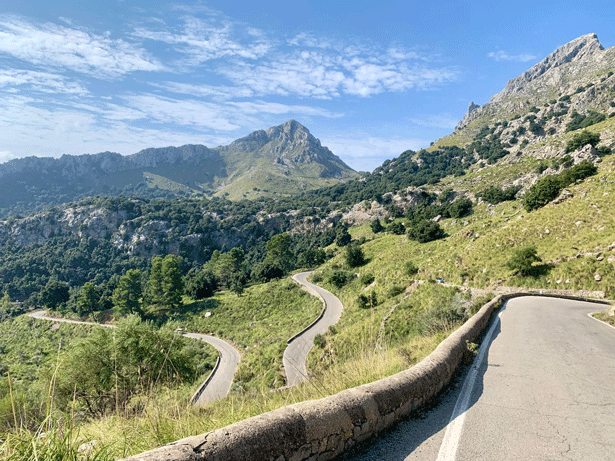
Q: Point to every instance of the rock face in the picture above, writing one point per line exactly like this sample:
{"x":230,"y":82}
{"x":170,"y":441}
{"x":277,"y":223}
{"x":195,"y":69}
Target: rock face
{"x":287,"y":153}
{"x":574,"y":64}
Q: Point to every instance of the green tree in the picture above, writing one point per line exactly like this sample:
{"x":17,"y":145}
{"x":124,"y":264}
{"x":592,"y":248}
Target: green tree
{"x":200,"y":283}
{"x":523,"y":259}
{"x":342,"y":236}
{"x":55,"y":294}
{"x":354,"y":255}
{"x":397,"y":228}
{"x":279,"y":252}
{"x":425,"y":231}
{"x":88,"y":300}
{"x":154,"y":286}
{"x":127,"y":295}
{"x":376,"y":226}
{"x":172,"y":282}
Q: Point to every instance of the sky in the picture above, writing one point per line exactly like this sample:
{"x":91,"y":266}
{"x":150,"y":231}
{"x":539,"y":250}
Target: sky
{"x":369,"y":79}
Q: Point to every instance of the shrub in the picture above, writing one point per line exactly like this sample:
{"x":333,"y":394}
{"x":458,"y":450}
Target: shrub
{"x":320,"y":341}
{"x":367,"y":301}
{"x":541,"y":193}
{"x":376,"y":226}
{"x":523,"y":260}
{"x":460,"y":208}
{"x":426,"y":231}
{"x":354,"y":255}
{"x":495,"y":194}
{"x":340,"y":278}
{"x":411,"y":268}
{"x":367,"y":279}
{"x":582,"y":139}
{"x":548,"y":188}
{"x":397,"y":228}
{"x":396,"y":290}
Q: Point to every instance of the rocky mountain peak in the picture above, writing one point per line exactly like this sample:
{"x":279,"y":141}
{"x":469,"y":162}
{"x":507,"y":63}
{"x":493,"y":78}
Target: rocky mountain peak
{"x":562,"y":72}
{"x":582,"y":49}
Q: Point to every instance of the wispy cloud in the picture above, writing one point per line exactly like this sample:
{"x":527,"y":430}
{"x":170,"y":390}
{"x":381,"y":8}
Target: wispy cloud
{"x":55,"y":46}
{"x":40,"y":81}
{"x":502,"y":55}
{"x":329,"y":74}
{"x":201,"y":40}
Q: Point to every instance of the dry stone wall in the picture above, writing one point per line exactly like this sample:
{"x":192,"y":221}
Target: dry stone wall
{"x":322,"y":429}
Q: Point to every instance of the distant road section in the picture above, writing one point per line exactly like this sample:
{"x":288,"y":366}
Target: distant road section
{"x":219,"y":382}
{"x":295,"y":354}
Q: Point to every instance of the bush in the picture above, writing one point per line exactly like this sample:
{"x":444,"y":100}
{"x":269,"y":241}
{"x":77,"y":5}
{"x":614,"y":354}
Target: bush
{"x":367,"y":279}
{"x":376,"y":226}
{"x":426,"y":231}
{"x":396,"y":290}
{"x":460,"y":208}
{"x":342,"y":236}
{"x":541,"y":193}
{"x":582,"y":139}
{"x":495,"y":194}
{"x":397,"y":228}
{"x":340,"y":278}
{"x":411,"y":268}
{"x":320,"y":341}
{"x":367,"y":301}
{"x":549,"y":187}
{"x":354,"y":256}
{"x":523,"y":259}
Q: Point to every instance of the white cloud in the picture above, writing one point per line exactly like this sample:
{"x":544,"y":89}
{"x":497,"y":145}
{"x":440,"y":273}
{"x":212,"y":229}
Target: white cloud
{"x":40,"y":81}
{"x":186,"y":112}
{"x":203,"y":40}
{"x":218,"y":92}
{"x":502,"y":55}
{"x":70,"y":48}
{"x":328,"y":74}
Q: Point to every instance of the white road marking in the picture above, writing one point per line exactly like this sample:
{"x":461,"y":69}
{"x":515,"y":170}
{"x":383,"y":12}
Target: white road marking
{"x":450,"y":443}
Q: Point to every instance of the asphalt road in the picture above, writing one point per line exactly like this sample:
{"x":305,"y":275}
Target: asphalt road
{"x":218,"y":385}
{"x":543,"y":388}
{"x":295,"y":354}
{"x":215,"y":387}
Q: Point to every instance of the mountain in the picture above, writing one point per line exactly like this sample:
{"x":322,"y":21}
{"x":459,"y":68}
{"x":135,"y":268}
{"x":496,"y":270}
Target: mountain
{"x":279,"y":161}
{"x":527,"y":133}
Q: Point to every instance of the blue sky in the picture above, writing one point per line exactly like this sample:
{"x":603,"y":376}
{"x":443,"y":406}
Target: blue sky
{"x":370,"y":79}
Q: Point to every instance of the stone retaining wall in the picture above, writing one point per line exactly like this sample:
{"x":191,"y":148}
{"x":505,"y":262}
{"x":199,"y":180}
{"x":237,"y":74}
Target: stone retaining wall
{"x":322,"y":429}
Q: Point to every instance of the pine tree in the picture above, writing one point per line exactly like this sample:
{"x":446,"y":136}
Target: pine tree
{"x":127,"y":295}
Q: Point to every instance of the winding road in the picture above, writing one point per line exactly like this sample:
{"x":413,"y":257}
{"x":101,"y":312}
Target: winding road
{"x":299,"y":346}
{"x":218,"y":383}
{"x":541,"y":387}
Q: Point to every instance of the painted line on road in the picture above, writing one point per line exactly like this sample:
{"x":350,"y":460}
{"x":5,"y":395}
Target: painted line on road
{"x":452,"y":436}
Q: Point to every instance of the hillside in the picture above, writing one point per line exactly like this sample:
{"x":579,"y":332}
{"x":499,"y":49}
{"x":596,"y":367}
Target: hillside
{"x":456,"y":213}
{"x":277,"y":162}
